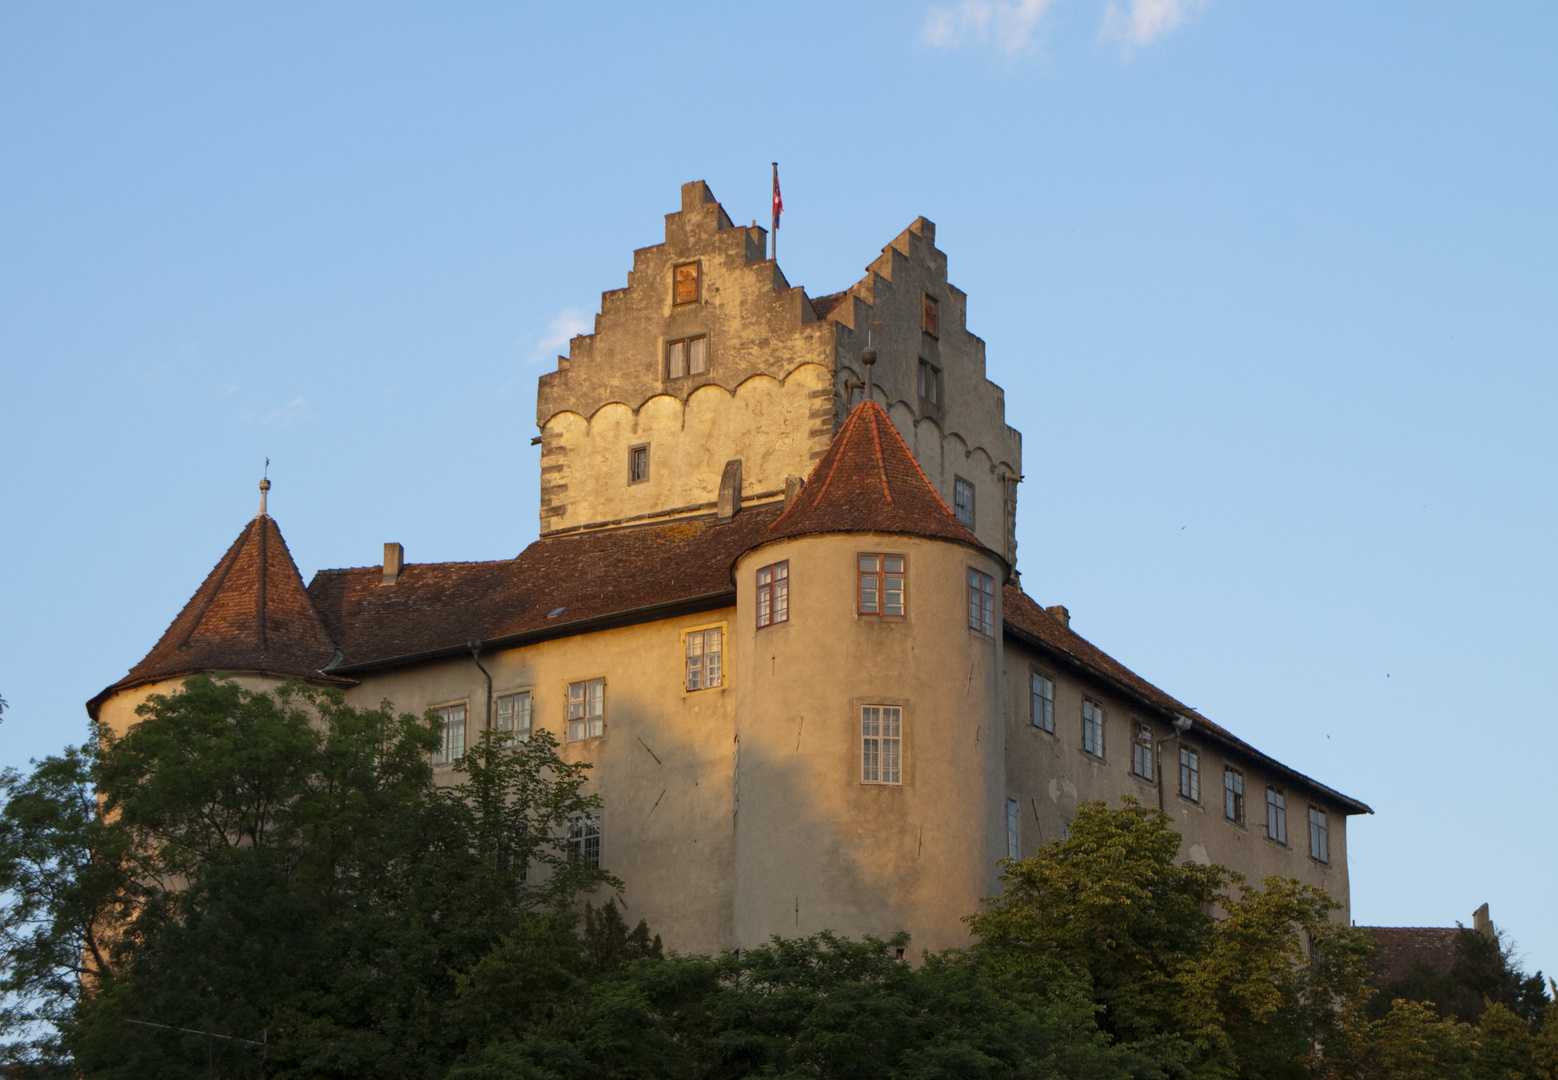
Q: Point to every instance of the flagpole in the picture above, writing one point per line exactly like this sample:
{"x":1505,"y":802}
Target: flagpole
{"x":774,"y":216}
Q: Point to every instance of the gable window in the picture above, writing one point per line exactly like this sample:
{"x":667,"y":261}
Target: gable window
{"x":452,"y":748}
{"x":1092,"y":728}
{"x":1012,"y":819}
{"x":1141,"y":752}
{"x":963,"y":501}
{"x":1319,"y":837}
{"x":930,"y":383}
{"x":981,"y":602}
{"x":931,"y":318}
{"x":1233,"y":795}
{"x":586,"y":709}
{"x":1276,"y":816}
{"x":690,"y":356}
{"x":705,"y":656}
{"x":881,"y":744}
{"x":773,"y":594}
{"x":513,"y":716}
{"x":686,"y":277}
{"x":584,"y":837}
{"x":638,"y":464}
{"x":881,"y":589}
{"x":1190,"y":773}
{"x":1042,"y":691}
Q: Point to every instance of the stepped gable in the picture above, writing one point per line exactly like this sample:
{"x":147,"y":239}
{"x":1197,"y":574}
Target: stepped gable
{"x":559,"y":586}
{"x":868,"y":481}
{"x":1031,"y":624}
{"x":252,"y":613}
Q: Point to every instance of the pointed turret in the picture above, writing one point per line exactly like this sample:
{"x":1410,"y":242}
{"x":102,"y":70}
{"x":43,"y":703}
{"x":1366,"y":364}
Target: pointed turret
{"x":252,"y":614}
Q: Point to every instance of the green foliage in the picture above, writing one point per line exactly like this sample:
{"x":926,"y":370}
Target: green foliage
{"x":1483,"y":971}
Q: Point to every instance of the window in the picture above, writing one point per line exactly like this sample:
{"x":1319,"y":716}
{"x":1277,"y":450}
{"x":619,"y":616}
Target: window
{"x":1011,"y":828}
{"x":586,"y":709}
{"x":453,"y":747}
{"x":1276,"y":816}
{"x":881,"y":584}
{"x":1233,"y":795}
{"x":930,"y":383}
{"x":881,"y":744}
{"x":513,"y":716}
{"x":1092,"y":728}
{"x":1141,"y":752}
{"x":1042,"y":688}
{"x":689,"y":356}
{"x":638,"y":464}
{"x":584,"y":837}
{"x":1319,"y":838}
{"x":704,"y":659}
{"x":686,"y":276}
{"x":981,"y":602}
{"x":1190,"y":774}
{"x":773,"y":594}
{"x":963,"y":501}
{"x":932,"y":316}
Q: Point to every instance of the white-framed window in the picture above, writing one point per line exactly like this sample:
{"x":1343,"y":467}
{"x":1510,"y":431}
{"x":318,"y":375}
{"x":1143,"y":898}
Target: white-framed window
{"x":881,"y":744}
{"x":690,"y":356}
{"x":963,"y":500}
{"x":1141,"y":752}
{"x":638,"y":464}
{"x":1012,"y":819}
{"x":584,"y":837}
{"x":1276,"y":816}
{"x":586,"y":709}
{"x":881,"y":584}
{"x":452,"y":748}
{"x":981,"y":601}
{"x":773,"y":594}
{"x":1319,"y":836}
{"x":1233,"y":795}
{"x":512,"y":716}
{"x":1190,"y":773}
{"x":705,"y":654}
{"x":1092,"y":727}
{"x":1042,"y":691}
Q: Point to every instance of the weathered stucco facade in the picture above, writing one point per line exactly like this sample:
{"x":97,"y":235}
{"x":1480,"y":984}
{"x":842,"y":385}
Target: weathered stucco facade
{"x":672,"y":497}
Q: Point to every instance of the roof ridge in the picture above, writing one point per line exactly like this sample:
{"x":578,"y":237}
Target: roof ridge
{"x":228,"y":562}
{"x":881,"y":464}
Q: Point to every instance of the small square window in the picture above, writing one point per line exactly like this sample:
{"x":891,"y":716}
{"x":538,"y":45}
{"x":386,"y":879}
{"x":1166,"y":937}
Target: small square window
{"x":1319,"y":837}
{"x":452,"y":748}
{"x":1233,"y":795}
{"x":1141,"y":752}
{"x":773,"y":594}
{"x":689,"y":356}
{"x":705,"y":659}
{"x":981,"y":602}
{"x":930,"y":383}
{"x":1043,"y":698}
{"x":931,"y":322}
{"x":687,"y":290}
{"x":1190,"y":774}
{"x":638,"y":464}
{"x":1093,"y":728}
{"x":963,"y":501}
{"x":882,"y":580}
{"x":512,"y":716}
{"x":586,"y":709}
{"x":584,"y":837}
{"x":1276,"y":816}
{"x":881,"y":744}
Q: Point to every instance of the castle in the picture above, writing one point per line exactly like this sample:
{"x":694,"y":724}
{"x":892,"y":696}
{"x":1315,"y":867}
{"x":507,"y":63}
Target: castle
{"x":774,"y":603}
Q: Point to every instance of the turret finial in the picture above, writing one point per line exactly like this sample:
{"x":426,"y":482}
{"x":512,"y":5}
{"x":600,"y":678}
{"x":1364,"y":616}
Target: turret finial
{"x":264,"y":487}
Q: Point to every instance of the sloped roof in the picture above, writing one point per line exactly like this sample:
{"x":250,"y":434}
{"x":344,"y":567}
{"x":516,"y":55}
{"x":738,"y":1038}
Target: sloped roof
{"x":868,"y":481}
{"x":1404,"y":947}
{"x":252,"y":613}
{"x":1033,"y":625}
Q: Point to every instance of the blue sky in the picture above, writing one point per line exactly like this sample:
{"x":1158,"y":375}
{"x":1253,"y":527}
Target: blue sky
{"x":1272,"y":288}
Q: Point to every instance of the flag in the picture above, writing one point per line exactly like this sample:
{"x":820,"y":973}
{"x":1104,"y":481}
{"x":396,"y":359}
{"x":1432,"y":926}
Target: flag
{"x":778,"y":199}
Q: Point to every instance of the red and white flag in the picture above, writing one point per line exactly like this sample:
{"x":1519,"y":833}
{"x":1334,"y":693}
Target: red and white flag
{"x":778,"y":199}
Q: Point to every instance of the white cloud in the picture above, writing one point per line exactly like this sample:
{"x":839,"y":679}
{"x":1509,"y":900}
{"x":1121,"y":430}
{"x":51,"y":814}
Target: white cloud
{"x":564,"y":327}
{"x":1146,"y":21}
{"x":1010,"y":26}
{"x":285,"y":415}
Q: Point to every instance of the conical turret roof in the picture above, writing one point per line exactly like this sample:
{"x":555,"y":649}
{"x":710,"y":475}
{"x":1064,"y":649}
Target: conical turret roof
{"x":868,"y":481}
{"x":252,"y":613}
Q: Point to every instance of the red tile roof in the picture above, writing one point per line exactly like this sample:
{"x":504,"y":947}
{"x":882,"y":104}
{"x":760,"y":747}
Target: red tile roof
{"x":1404,"y":947}
{"x":252,"y":613}
{"x":868,"y":481}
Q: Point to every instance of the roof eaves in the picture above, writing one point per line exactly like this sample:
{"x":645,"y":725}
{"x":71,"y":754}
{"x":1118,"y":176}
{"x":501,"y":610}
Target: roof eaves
{"x":95,"y":703}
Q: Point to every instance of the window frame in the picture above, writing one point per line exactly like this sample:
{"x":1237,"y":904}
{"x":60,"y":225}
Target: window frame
{"x":633,"y":452}
{"x":882,"y":573}
{"x":1141,"y":751}
{"x":929,"y":377}
{"x":877,"y":763}
{"x":1013,"y":828}
{"x":981,"y":602}
{"x":1322,"y":828}
{"x":1276,"y":811}
{"x":687,"y":341}
{"x":1190,"y":773}
{"x":697,"y":283}
{"x":959,"y":486}
{"x":1049,"y":711}
{"x":584,"y":717}
{"x":1093,"y":725}
{"x":583,"y":827}
{"x":703,"y":631}
{"x":930,"y":315}
{"x":1235,"y":806}
{"x":514,"y":733}
{"x":776,"y":591}
{"x":443,"y":757}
